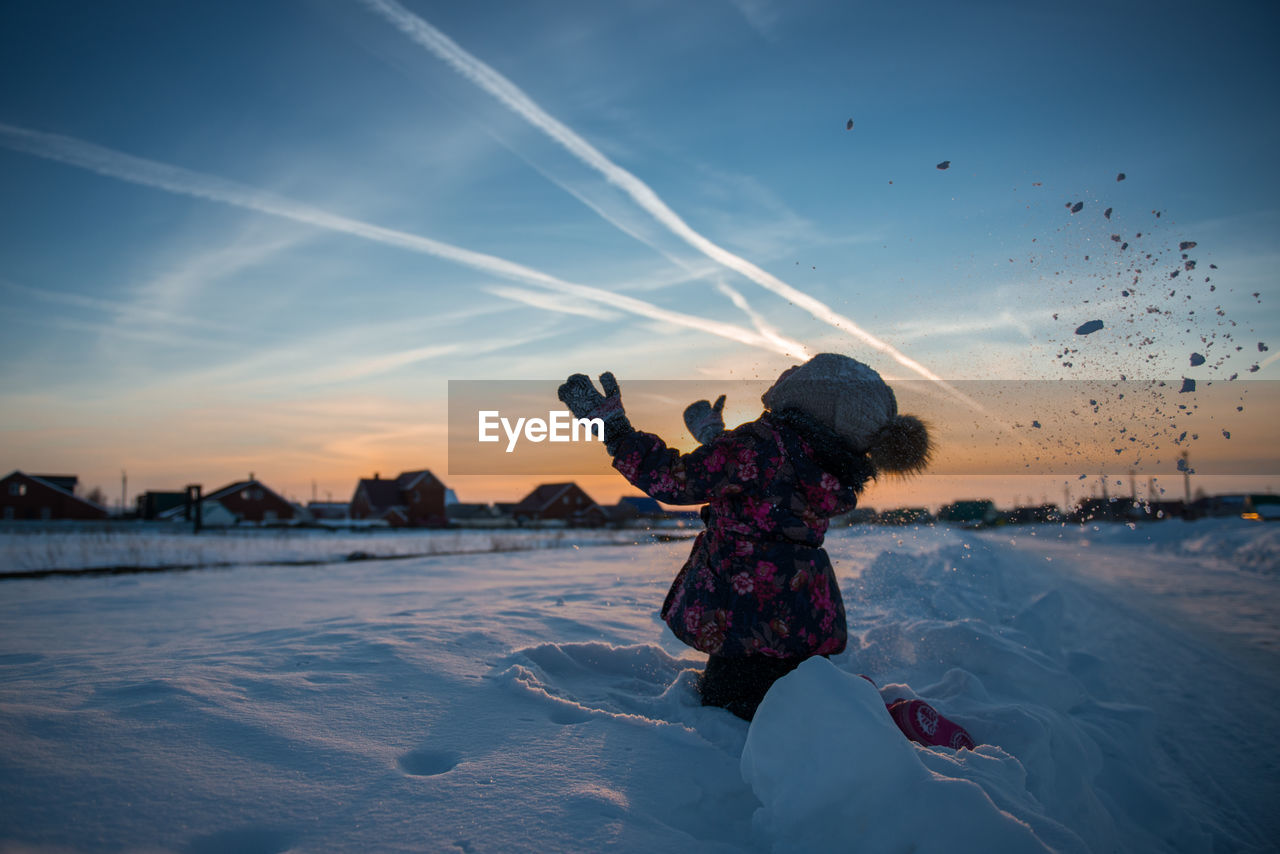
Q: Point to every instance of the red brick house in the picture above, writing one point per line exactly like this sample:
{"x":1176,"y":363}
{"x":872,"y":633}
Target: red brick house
{"x":36,"y":497}
{"x":250,"y":501}
{"x":559,"y":502}
{"x":245,"y":501}
{"x":414,"y":499}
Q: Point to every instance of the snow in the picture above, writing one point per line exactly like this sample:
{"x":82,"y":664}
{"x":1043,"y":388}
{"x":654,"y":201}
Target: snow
{"x":823,"y":734}
{"x":61,"y":547}
{"x":1122,"y":681}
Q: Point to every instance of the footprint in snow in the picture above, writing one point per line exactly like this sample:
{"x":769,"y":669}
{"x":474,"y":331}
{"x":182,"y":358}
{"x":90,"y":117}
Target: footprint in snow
{"x":428,"y":763}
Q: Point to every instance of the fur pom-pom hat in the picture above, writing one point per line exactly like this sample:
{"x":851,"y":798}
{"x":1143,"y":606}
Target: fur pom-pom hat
{"x":850,"y":399}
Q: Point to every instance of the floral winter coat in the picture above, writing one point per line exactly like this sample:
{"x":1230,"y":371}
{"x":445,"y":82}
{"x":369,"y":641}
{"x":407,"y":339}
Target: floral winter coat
{"x":758,"y":581}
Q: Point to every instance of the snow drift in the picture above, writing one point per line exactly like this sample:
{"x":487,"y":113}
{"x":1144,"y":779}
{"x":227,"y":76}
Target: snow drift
{"x":1115,"y":677}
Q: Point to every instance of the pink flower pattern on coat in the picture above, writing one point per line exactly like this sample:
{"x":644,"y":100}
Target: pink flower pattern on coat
{"x":758,"y":581}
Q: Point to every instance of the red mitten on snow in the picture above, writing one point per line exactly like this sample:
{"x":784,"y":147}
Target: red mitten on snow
{"x":921,"y":723}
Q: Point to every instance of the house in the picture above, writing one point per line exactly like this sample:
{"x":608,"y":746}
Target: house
{"x":1031,"y":514}
{"x":477,"y":516}
{"x":559,"y":503}
{"x":856,"y":516}
{"x":414,"y":499}
{"x":1235,"y":504}
{"x":972,"y":513}
{"x":152,"y":503}
{"x":1262,"y":508}
{"x":243,"y":501}
{"x":251,"y":501}
{"x":328,"y":511}
{"x":45,"y":497}
{"x":905,"y":516}
{"x":1158,"y":510}
{"x":1101,"y":510}
{"x":635,"y":510}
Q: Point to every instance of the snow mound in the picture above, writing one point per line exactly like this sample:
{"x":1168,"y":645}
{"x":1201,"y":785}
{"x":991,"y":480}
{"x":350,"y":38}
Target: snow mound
{"x":828,"y":764}
{"x":1252,"y":546}
{"x":639,"y":684}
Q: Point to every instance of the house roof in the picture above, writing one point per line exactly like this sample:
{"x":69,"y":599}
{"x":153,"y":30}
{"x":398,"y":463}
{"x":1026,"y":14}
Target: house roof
{"x":381,"y":494}
{"x":642,"y":504}
{"x":232,"y":488}
{"x":226,"y":490}
{"x":542,"y":497}
{"x":411,"y":479}
{"x":64,"y":484}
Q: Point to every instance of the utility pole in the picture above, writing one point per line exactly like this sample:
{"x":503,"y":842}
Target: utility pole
{"x":124,"y":490}
{"x":194,"y":508}
{"x":1186,"y":477}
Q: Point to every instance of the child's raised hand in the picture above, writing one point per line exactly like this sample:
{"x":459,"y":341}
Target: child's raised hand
{"x":704,"y":420}
{"x":580,"y":395}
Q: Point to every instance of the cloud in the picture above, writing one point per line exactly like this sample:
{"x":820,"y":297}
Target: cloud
{"x":488,"y":79}
{"x":963,"y":327}
{"x":115,"y":164}
{"x":757,"y":320}
{"x":131,"y":313}
{"x":761,"y":15}
{"x":390,"y":361}
{"x":550,"y":302}
{"x":188,"y":275}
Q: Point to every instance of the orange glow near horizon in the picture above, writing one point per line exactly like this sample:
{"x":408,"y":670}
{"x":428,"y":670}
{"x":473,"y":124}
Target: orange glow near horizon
{"x":313,"y":449}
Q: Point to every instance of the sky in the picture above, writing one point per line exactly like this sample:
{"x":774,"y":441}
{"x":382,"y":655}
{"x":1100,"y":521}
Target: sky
{"x":241,"y":237}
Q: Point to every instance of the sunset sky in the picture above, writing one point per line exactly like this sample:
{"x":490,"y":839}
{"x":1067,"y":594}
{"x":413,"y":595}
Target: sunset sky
{"x":262,"y":237}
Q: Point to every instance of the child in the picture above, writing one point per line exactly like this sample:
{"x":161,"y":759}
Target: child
{"x":758,"y":593}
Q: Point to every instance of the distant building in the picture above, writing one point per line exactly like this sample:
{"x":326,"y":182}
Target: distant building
{"x":477,"y":516}
{"x":635,"y":510}
{"x":971,"y":513}
{"x":414,"y":499}
{"x":1101,"y":510}
{"x":856,"y":516}
{"x":1159,"y":510}
{"x":1221,"y":505}
{"x":905,"y":516}
{"x":1037,"y":513}
{"x":242,"y":501}
{"x":1262,"y":508}
{"x":153,"y":503}
{"x":328,"y":511}
{"x":251,"y":501}
{"x":36,"y":497}
{"x":562,"y":503}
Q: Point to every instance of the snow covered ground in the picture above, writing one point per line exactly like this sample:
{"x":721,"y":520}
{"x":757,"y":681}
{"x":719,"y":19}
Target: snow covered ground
{"x":67,"y":547}
{"x":1123,"y":682}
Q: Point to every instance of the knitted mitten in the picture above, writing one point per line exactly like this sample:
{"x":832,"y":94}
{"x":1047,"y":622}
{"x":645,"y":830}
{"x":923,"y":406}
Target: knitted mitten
{"x":704,"y":420}
{"x":584,"y":401}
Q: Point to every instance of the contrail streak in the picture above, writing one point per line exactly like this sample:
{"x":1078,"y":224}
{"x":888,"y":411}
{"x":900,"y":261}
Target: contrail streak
{"x":762,"y":326}
{"x":508,"y":93}
{"x":174,"y":179}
